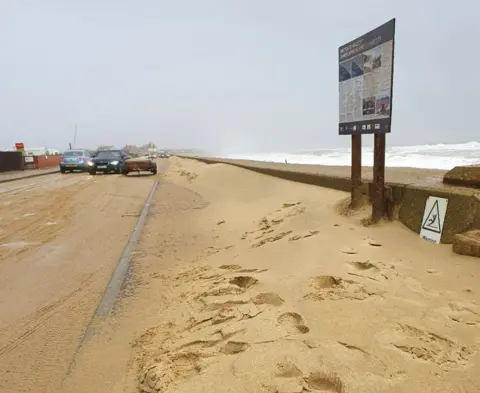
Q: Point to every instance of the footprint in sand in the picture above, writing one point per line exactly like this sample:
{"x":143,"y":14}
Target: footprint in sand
{"x":270,"y":298}
{"x":348,"y":251}
{"x":287,"y":205}
{"x":431,"y":347}
{"x":252,"y":271}
{"x":288,"y":369}
{"x":290,"y":379}
{"x":372,"y":242}
{"x":234,"y":347}
{"x":308,"y":234}
{"x":244,"y":282}
{"x":219,"y":305}
{"x":241,"y":269}
{"x":158,"y":377}
{"x":230,"y":267}
{"x":364,"y":266}
{"x":467,"y":313}
{"x":336,"y":288}
{"x":325,"y":382}
{"x":293,"y":323}
{"x":235,"y":286}
{"x":271,"y":239}
{"x":323,"y":282}
{"x":223,"y":290}
{"x":264,"y":224}
{"x":295,"y":238}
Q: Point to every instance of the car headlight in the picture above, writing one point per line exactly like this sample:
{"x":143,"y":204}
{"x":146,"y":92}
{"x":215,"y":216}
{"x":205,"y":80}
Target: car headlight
{"x":90,"y":163}
{"x":114,"y":163}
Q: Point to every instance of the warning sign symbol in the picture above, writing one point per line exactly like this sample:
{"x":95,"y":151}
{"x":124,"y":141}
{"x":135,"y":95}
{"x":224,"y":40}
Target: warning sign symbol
{"x":432,"y":222}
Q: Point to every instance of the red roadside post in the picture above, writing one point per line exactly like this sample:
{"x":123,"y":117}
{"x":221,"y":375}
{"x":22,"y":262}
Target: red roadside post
{"x":365,"y":105}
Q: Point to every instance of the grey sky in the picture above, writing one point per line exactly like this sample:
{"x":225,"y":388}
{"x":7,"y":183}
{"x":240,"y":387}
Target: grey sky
{"x":226,"y":74}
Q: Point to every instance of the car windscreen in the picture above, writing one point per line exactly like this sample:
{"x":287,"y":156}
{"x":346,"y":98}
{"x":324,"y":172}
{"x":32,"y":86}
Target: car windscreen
{"x":72,"y":153}
{"x":102,"y":154}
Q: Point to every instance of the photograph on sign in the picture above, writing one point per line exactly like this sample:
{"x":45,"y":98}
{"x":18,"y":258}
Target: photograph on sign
{"x":433,"y":219}
{"x":366,"y":82}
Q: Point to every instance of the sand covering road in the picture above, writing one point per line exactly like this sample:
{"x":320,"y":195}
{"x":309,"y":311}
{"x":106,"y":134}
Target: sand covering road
{"x":60,"y":238}
{"x":247,"y":283}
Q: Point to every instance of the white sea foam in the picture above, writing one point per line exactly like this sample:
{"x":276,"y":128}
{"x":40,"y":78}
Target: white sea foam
{"x":441,"y":156}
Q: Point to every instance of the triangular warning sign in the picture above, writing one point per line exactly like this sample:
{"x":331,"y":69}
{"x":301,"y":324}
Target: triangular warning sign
{"x":432,"y":222}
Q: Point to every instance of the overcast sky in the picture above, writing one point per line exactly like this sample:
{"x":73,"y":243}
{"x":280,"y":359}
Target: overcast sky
{"x":226,"y":74}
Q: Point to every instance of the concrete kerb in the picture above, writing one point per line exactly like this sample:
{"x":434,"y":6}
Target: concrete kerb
{"x":406,"y":201}
{"x":8,"y":180}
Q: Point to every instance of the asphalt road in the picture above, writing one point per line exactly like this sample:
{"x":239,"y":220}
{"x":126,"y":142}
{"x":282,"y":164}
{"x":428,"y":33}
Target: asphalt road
{"x":61,"y":237}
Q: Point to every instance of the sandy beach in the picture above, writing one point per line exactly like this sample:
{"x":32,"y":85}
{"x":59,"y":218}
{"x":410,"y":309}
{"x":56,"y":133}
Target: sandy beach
{"x":248,"y":283}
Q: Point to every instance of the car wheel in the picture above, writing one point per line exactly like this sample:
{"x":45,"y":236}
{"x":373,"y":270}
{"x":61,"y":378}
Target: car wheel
{"x":93,"y":172}
{"x":62,"y":170}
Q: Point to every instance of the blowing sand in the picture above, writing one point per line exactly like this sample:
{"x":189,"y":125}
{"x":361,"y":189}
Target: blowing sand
{"x":247,"y":283}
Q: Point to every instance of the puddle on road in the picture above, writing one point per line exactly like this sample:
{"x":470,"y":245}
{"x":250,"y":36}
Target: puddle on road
{"x":18,"y":244}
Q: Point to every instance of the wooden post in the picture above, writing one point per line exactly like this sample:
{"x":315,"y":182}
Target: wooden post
{"x":356,"y":172}
{"x":378,"y":207}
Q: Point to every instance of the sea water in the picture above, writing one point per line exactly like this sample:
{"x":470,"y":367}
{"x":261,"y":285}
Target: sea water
{"x":440,"y":156}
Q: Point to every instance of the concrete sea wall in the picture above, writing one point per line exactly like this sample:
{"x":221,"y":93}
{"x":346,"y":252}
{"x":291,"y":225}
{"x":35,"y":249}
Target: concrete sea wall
{"x":407,"y":190}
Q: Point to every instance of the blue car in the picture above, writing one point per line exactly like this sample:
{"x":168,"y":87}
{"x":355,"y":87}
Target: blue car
{"x":75,"y":160}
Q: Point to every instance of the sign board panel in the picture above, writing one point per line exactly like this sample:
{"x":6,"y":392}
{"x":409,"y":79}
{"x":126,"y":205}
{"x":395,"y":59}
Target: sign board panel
{"x":366,"y":82}
{"x":433,"y":219}
{"x":19,"y":146}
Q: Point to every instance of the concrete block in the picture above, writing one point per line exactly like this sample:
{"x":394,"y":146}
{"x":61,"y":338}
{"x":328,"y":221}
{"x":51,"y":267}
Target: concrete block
{"x":467,"y":243}
{"x":466,"y":176}
{"x":461,"y":213}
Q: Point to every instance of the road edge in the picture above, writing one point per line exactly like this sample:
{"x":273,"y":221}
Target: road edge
{"x":109,"y":297}
{"x":28,"y":176}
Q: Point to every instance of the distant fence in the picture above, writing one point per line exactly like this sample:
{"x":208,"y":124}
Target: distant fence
{"x":11,"y":161}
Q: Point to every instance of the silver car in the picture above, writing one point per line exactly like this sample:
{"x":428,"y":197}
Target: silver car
{"x":75,"y":160}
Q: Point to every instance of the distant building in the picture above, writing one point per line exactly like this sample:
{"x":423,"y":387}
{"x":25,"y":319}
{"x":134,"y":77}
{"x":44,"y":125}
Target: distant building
{"x":40,"y":151}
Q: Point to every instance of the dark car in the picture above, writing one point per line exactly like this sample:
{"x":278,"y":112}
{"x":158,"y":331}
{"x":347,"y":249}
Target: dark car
{"x":109,"y":161}
{"x":75,"y":160}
